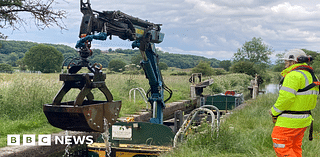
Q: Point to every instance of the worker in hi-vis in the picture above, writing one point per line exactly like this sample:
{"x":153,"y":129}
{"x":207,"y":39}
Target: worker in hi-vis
{"x":292,"y":111}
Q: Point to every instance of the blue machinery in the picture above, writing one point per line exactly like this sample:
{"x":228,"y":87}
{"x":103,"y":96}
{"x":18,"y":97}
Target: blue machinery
{"x":98,"y":116}
{"x":143,"y":33}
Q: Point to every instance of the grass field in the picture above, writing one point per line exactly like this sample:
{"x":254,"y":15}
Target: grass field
{"x":245,"y":133}
{"x":22,"y":96}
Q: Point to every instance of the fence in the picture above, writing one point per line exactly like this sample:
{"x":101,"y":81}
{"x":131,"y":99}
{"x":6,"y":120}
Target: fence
{"x":142,"y":93}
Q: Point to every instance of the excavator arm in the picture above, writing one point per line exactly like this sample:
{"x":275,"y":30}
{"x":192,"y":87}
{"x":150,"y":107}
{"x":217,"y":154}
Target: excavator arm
{"x":101,"y":25}
{"x":116,"y":23}
{"x":98,"y":25}
{"x":92,"y":115}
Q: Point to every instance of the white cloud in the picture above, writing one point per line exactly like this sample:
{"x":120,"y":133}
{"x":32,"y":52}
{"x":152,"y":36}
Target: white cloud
{"x":206,"y":41}
{"x":299,"y":12}
{"x":205,"y":7}
{"x":287,"y":8}
{"x":201,"y":27}
{"x":222,"y":39}
{"x":223,"y":55}
{"x":264,"y":32}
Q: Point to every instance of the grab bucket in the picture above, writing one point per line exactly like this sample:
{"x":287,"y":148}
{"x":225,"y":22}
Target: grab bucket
{"x":87,"y":117}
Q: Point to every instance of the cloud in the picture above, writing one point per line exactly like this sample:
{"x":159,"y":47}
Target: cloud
{"x":224,"y":55}
{"x":206,"y":41}
{"x":211,"y":28}
{"x":204,"y":6}
{"x":264,"y":32}
{"x":287,"y":8}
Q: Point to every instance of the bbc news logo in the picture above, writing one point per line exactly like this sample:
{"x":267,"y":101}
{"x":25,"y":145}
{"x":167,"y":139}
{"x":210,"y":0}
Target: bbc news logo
{"x":46,"y":140}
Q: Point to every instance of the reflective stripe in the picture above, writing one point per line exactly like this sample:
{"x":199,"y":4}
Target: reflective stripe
{"x":276,"y":109}
{"x":278,"y":145}
{"x":309,"y":92}
{"x":289,"y":90}
{"x":298,"y":116}
{"x":305,"y":77}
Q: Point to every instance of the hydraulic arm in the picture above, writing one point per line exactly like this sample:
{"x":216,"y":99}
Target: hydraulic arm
{"x":101,"y":25}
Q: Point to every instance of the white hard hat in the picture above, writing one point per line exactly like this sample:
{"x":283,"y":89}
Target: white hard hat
{"x":292,"y":55}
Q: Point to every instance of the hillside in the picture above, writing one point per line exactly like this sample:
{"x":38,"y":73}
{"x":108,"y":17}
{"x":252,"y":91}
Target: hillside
{"x":11,"y":51}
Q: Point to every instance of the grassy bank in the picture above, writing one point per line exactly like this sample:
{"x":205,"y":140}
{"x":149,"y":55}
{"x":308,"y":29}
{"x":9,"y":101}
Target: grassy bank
{"x":22,"y":96}
{"x":246,"y":132}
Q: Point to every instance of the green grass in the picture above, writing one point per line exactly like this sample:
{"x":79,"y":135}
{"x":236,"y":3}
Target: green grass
{"x":22,"y":96}
{"x":246,"y":132}
{"x":21,"y":100}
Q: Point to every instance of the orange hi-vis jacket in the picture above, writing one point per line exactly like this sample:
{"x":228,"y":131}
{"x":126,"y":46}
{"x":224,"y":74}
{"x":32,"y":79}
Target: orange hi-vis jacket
{"x":291,"y":100}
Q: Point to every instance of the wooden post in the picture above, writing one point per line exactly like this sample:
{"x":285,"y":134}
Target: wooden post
{"x":255,"y":87}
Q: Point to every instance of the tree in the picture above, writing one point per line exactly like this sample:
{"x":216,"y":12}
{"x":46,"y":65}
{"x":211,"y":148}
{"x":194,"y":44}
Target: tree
{"x":41,"y":12}
{"x":3,"y":58}
{"x":311,"y":53}
{"x":163,"y":66}
{"x":316,"y":67}
{"x":244,"y":67}
{"x":116,"y":65}
{"x":204,"y":68}
{"x":5,"y":67}
{"x":225,"y":64}
{"x":102,"y":59}
{"x":96,"y":52}
{"x":254,"y":51}
{"x":136,"y":59}
{"x":279,"y":63}
{"x":44,"y":58}
{"x":252,"y":57}
{"x":21,"y":64}
{"x":12,"y":58}
{"x":314,"y":55}
{"x":316,"y":60}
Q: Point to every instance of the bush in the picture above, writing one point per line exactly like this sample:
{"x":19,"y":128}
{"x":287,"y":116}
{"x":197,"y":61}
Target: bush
{"x":163,"y":66}
{"x":219,"y":71}
{"x":237,"y":82}
{"x":204,"y":68}
{"x":216,"y":88}
{"x":179,"y":73}
{"x":116,"y":65}
{"x":6,"y":68}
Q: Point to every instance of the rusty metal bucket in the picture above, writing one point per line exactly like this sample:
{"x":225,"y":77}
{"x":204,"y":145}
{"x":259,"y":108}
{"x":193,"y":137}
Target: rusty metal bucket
{"x":82,"y":114}
{"x":88,"y":117}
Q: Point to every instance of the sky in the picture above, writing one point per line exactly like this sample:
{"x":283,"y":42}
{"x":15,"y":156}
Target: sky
{"x":209,"y":28}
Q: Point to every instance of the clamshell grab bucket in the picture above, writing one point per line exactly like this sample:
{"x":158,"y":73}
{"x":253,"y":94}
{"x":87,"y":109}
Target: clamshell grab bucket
{"x":88,"y":117}
{"x":83,"y":114}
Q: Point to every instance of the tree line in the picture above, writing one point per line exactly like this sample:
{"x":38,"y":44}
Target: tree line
{"x":13,"y":53}
{"x":252,"y":58}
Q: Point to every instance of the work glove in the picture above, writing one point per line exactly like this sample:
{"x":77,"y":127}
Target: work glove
{"x":274,"y":118}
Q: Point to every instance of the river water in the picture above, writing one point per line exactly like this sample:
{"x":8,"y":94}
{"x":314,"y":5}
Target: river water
{"x":271,"y":88}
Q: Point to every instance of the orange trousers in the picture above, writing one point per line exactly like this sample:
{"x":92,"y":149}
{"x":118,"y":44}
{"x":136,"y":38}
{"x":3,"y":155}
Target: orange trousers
{"x":288,"y":141}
